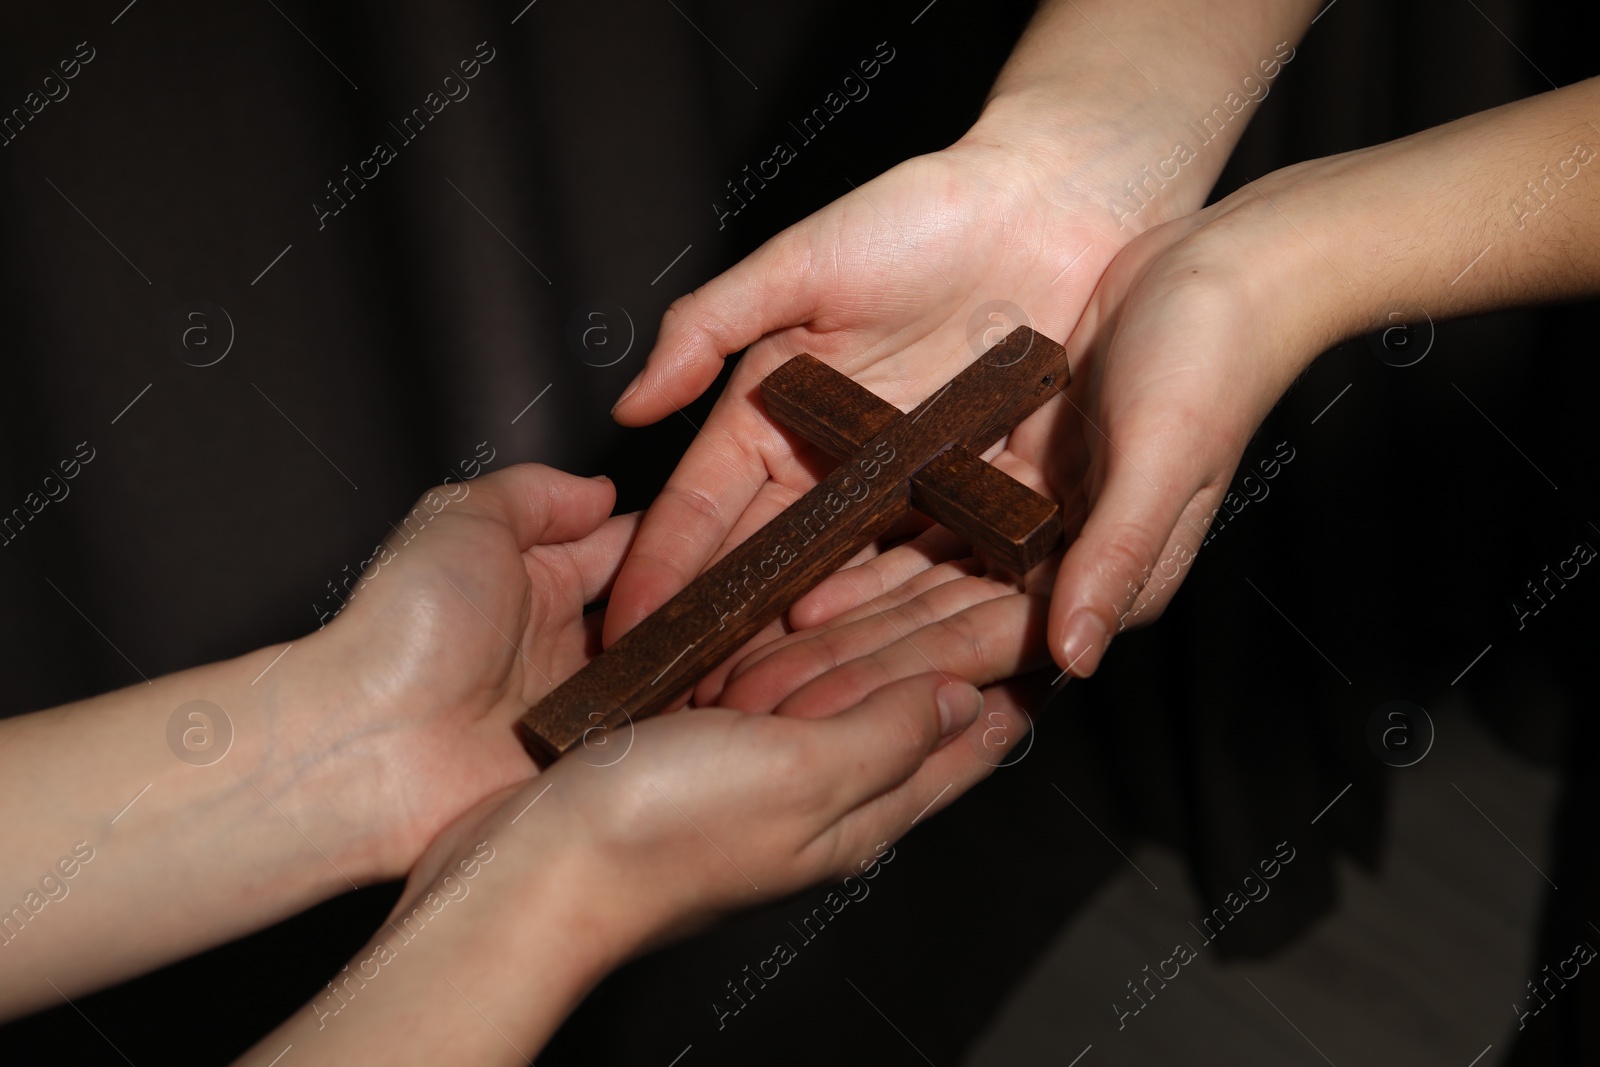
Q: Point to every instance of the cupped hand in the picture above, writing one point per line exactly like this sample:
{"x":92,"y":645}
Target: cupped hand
{"x":1183,"y":349}
{"x":1185,"y":346}
{"x":889,"y":285}
{"x":712,"y":810}
{"x":450,"y":637}
{"x":1188,"y":343}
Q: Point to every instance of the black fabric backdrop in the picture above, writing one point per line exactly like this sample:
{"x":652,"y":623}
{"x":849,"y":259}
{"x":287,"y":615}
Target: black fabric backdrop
{"x":407,"y":330}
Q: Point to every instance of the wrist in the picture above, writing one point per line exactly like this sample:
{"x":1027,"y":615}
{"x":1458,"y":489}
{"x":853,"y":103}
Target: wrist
{"x":1458,"y":219}
{"x":1328,"y":249}
{"x":1078,"y":146}
{"x":546,"y":919}
{"x":1081,"y":78}
{"x":1244,"y":277}
{"x":318,"y":766}
{"x":509,"y":939}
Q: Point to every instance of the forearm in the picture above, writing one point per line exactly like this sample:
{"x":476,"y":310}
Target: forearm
{"x":1154,"y":94}
{"x":480,"y":965}
{"x":520,"y":907}
{"x":125,"y":850}
{"x":1497,"y":209}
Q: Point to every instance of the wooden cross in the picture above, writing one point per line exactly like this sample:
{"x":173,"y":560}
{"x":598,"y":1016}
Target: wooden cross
{"x":892,"y":462}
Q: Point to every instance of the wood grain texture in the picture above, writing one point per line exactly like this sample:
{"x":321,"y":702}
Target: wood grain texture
{"x":988,"y":508}
{"x":651,"y":666}
{"x":985,"y":506}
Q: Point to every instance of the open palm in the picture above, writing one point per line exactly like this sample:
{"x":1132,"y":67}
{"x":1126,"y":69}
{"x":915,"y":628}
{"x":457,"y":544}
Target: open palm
{"x":1176,"y":361}
{"x":451,"y":640}
{"x":898,"y":284}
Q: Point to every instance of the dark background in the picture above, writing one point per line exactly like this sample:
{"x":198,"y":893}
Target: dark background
{"x":409,"y":330}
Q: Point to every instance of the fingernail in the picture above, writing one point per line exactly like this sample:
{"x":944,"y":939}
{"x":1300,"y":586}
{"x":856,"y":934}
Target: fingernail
{"x":633,"y":387}
{"x":598,"y":478}
{"x":959,"y":704}
{"x":1085,"y":643}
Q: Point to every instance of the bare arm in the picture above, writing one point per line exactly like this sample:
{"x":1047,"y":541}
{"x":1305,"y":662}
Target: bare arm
{"x":141,"y":827}
{"x":1073,"y":156}
{"x":528,"y":901}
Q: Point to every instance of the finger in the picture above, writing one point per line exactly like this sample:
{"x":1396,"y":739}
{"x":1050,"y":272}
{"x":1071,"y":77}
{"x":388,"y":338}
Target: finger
{"x":1121,"y":542}
{"x":598,"y":557}
{"x":911,"y":589}
{"x":775,"y":672}
{"x":708,"y":691}
{"x":852,"y":587}
{"x":776,"y":634}
{"x":764,"y":292}
{"x":987,"y":642}
{"x":849,"y":589}
{"x":944,"y":776}
{"x":721,"y":474}
{"x":890,"y":733}
{"x":1176,"y":560}
{"x":542,"y":505}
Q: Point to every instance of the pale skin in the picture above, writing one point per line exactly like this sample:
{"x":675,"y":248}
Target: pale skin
{"x":711,"y":810}
{"x":1182,"y":334}
{"x":349,"y":754}
{"x":388,"y":737}
{"x":364,"y":741}
{"x":1193,"y":334}
{"x":884,"y":282}
{"x":379,"y":744}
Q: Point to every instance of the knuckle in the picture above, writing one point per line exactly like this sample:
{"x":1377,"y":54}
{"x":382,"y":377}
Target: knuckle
{"x":973,"y":589}
{"x":692,"y":506}
{"x":968,"y":646}
{"x":1126,"y":551}
{"x":917,"y":612}
{"x":907,"y":741}
{"x":795,"y":768}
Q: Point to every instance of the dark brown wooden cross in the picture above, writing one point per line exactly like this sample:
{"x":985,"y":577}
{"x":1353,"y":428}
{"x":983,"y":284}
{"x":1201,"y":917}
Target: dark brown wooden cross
{"x":892,"y":462}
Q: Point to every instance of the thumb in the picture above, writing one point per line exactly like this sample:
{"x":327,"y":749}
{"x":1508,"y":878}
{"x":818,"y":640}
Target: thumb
{"x":893,"y":730}
{"x":766,"y":291}
{"x":540,"y":504}
{"x":1131,"y":538}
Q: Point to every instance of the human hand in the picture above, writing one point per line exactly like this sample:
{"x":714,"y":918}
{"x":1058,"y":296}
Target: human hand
{"x":536,"y":892}
{"x":884,"y":285}
{"x":363,"y":739}
{"x":441,"y":649}
{"x":1192,"y":335}
{"x":948,"y":613}
{"x":1183,"y":349}
{"x":893,"y":282}
{"x":1187,"y":418}
{"x":711,"y":810}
